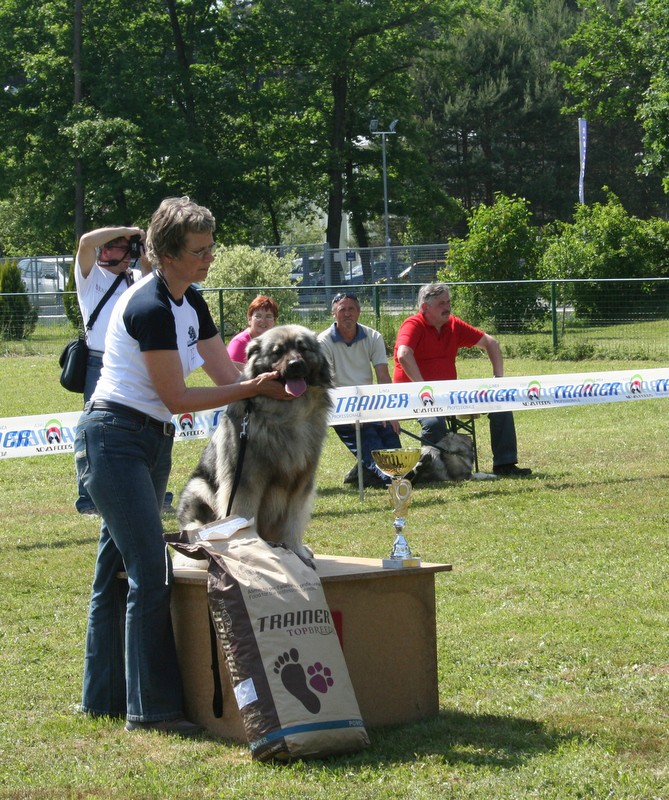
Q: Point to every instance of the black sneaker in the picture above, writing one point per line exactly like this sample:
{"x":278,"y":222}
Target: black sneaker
{"x":352,"y":475}
{"x":181,"y":727}
{"x":369,"y":479}
{"x":511,"y":471}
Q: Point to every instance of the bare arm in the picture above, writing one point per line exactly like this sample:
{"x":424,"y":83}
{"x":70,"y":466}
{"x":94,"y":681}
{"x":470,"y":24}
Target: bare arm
{"x":494,"y":351}
{"x":165,"y":371}
{"x":217,"y":362}
{"x":382,"y":373}
{"x":90,"y":241}
{"x":408,"y":362}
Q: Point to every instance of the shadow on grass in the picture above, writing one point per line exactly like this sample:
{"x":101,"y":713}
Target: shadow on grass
{"x":60,"y":544}
{"x":422,"y":497}
{"x":458,"y":738}
{"x":478,"y":739}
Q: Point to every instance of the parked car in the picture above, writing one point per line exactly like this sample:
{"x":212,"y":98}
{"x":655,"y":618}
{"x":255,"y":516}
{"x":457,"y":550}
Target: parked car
{"x":312,"y":291}
{"x":423,"y":271}
{"x":381,"y":273}
{"x":316,"y":271}
{"x":44,"y":277}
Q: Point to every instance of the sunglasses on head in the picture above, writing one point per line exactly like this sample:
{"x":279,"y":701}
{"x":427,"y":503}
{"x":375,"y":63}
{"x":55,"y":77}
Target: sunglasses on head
{"x":344,"y":296}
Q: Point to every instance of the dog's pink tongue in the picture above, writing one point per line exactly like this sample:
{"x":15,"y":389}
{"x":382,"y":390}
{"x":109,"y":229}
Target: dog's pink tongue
{"x":296,"y":386}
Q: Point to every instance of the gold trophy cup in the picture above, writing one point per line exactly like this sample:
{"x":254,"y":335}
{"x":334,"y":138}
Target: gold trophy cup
{"x":396,"y":463}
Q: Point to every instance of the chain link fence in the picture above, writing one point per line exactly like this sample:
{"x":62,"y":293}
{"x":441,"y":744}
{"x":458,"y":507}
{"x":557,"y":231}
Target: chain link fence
{"x":568,"y":319}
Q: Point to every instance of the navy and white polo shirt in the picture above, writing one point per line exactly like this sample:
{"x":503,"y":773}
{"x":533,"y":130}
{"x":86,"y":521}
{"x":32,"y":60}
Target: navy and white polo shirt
{"x":146,"y":317}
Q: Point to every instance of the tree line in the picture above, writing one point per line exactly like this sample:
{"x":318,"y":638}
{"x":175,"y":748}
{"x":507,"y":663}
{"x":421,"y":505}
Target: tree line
{"x":261,"y":110}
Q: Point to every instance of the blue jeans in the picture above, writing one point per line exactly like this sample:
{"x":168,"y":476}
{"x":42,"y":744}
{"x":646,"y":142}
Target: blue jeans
{"x":130,"y":663}
{"x":373,"y":436}
{"x":93,"y":369}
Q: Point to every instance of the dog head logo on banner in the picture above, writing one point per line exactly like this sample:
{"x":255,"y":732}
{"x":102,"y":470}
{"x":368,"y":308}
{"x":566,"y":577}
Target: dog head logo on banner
{"x":427,"y":396}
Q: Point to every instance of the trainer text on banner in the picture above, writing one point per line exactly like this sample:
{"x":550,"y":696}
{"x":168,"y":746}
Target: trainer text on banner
{"x":46,"y":434}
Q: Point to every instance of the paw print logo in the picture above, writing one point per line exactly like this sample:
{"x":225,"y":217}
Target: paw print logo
{"x":300,"y":683}
{"x":321,"y":677}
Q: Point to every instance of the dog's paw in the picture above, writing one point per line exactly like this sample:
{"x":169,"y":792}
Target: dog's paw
{"x":305,"y":554}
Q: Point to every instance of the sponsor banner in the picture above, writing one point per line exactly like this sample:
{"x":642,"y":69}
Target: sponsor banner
{"x":45,"y":434}
{"x":54,"y":433}
{"x":480,"y":396}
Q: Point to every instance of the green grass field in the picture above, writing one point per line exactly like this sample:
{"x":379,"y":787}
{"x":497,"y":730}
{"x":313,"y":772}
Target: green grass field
{"x":552,"y":627}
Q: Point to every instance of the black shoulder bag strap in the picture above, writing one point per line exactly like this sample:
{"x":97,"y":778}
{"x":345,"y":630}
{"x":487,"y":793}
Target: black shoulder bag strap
{"x":100,"y":305}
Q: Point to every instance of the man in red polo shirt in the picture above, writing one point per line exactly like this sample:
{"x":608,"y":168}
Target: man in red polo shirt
{"x":425,"y":350}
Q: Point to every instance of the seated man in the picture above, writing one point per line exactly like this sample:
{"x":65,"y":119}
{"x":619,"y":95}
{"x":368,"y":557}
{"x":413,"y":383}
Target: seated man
{"x":352,"y":349}
{"x":425,"y":350}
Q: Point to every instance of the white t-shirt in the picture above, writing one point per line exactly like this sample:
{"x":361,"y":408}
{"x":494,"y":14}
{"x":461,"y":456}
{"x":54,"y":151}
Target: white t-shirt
{"x":147,"y":318}
{"x":90,"y":291}
{"x":351,"y":364}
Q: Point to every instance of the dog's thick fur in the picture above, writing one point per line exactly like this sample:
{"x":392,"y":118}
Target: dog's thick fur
{"x":450,"y":460}
{"x":284,"y":443}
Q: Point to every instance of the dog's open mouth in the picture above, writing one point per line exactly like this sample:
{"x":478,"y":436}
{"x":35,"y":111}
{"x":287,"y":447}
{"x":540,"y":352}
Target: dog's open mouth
{"x":296,"y":386}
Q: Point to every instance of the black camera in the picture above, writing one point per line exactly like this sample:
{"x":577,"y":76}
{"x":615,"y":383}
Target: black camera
{"x":136,"y":246}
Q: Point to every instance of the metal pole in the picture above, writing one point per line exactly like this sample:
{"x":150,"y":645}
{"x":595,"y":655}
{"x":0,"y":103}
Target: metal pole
{"x":374,"y":125}
{"x":385,"y":190}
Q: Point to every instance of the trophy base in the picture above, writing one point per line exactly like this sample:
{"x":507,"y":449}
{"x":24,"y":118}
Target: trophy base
{"x":401,"y":563}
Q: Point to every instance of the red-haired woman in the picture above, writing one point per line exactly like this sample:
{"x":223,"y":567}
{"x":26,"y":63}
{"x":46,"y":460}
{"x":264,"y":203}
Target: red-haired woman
{"x":262,"y":314}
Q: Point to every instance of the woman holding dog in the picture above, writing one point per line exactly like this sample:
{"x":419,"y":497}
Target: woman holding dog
{"x":262,"y":314}
{"x":160,"y":331}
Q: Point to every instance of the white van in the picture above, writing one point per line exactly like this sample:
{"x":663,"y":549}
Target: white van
{"x":45,"y":273}
{"x":45,"y":278}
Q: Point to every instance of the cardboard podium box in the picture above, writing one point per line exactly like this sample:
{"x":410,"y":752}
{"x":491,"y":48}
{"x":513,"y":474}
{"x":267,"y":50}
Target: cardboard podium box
{"x":386,"y":623}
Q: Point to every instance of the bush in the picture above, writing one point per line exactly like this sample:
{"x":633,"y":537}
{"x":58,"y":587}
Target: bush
{"x":243,"y":266}
{"x":502,"y":245}
{"x":71,"y":303}
{"x":604,"y":241}
{"x":18,"y":317}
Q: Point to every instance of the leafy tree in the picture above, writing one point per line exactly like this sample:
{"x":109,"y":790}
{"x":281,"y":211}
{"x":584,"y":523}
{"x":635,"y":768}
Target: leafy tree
{"x":618,"y":73}
{"x":502,"y":245}
{"x":71,"y":303}
{"x":253,"y":109}
{"x":250,"y":270}
{"x":605,"y":242}
{"x":492,"y":109}
{"x":18,"y":317}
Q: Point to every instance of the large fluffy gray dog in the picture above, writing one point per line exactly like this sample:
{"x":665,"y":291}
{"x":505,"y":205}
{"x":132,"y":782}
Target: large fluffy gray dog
{"x":283,"y":445}
{"x":450,"y":460}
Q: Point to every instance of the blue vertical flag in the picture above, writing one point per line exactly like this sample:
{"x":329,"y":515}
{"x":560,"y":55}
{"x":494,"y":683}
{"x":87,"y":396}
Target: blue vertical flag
{"x":582,"y":147}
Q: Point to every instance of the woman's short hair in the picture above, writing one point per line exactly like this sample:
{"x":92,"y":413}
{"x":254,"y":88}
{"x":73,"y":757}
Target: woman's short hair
{"x":263,"y":303}
{"x":172,"y":221}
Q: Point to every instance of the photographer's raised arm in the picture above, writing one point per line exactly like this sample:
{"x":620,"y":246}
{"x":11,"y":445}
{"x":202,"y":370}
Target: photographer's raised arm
{"x":90,"y":241}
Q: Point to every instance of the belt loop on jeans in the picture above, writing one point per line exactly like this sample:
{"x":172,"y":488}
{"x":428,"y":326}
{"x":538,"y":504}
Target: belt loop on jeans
{"x":166,"y":428}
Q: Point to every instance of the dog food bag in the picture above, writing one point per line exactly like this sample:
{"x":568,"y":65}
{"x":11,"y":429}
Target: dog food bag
{"x":272,"y":620}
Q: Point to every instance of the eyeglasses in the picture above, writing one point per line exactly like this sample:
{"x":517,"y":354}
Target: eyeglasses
{"x":203,"y":252}
{"x":344,"y":296}
{"x":260,"y":316}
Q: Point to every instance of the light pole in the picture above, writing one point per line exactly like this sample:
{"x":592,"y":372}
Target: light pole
{"x":374,"y":130}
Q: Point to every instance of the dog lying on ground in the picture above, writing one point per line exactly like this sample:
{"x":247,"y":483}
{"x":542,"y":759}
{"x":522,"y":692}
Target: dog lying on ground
{"x":283,"y":444}
{"x":451,"y":459}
